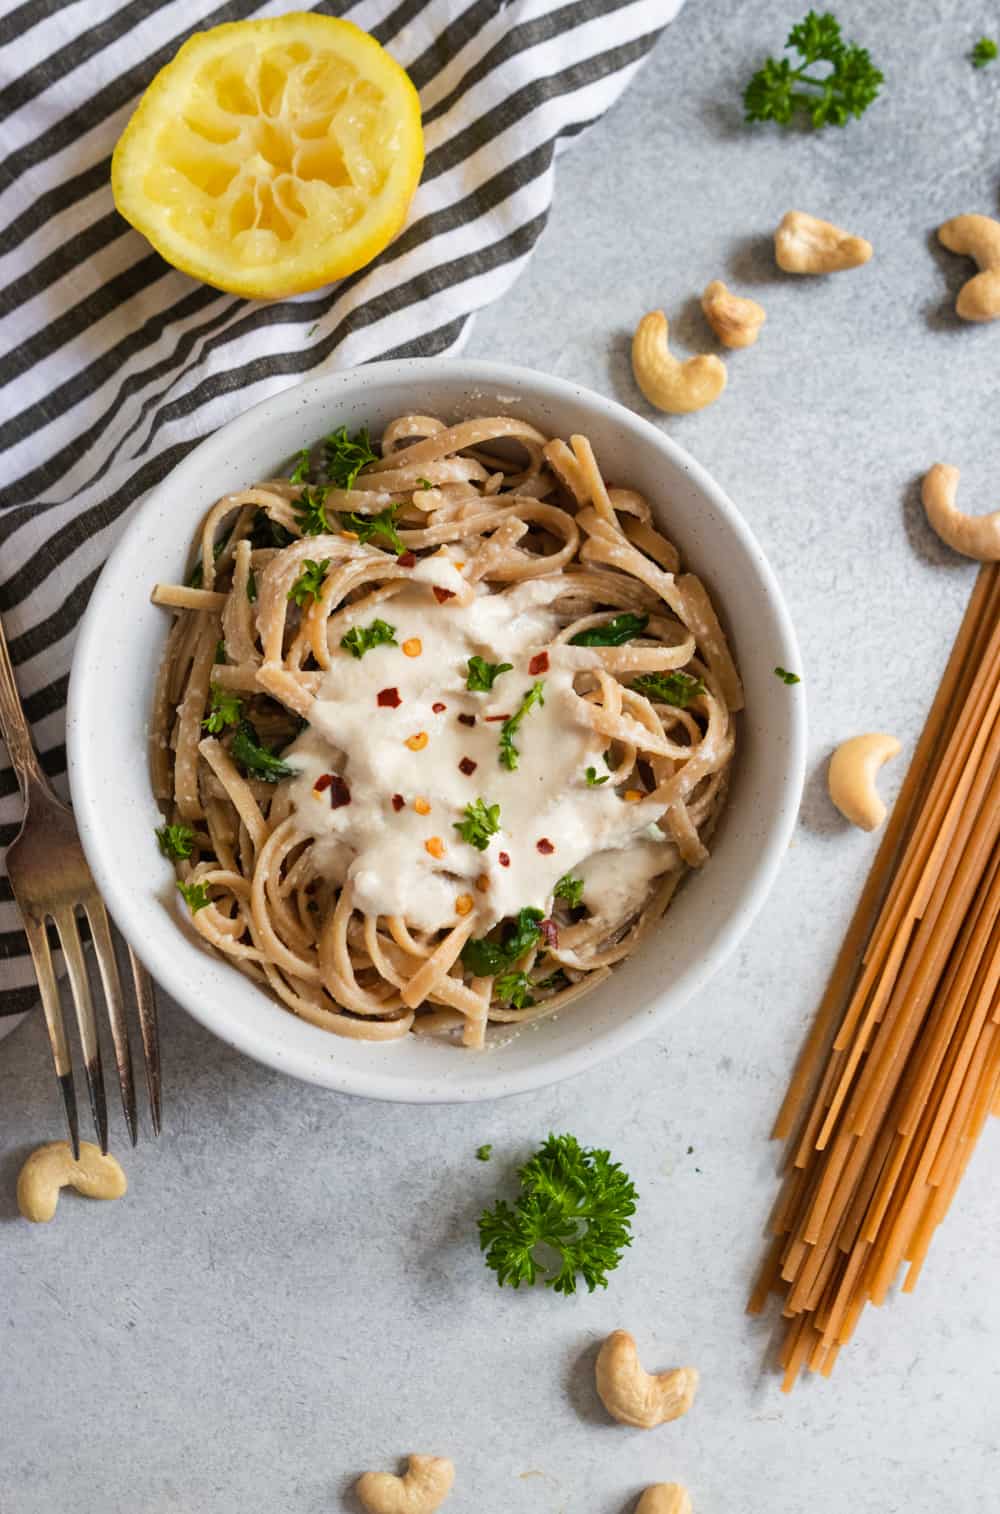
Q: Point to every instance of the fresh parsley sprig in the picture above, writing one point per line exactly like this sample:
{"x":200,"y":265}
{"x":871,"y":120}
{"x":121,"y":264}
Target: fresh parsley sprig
{"x":485,"y":958}
{"x":255,"y":759}
{"x":224,"y":709}
{"x":175,"y":841}
{"x":481,"y":821}
{"x":195,"y":895}
{"x":514,"y":989}
{"x":509,"y":755}
{"x":669,"y":688}
{"x":484,"y":1152}
{"x":482,"y":675}
{"x":570,"y":889}
{"x":984,"y":52}
{"x":575,"y":1202}
{"x":344,"y":456}
{"x":309,"y":584}
{"x":593,"y":782}
{"x":310,"y":511}
{"x":613,"y":633}
{"x":361,"y":639}
{"x":777,"y":91}
{"x":367,"y":527}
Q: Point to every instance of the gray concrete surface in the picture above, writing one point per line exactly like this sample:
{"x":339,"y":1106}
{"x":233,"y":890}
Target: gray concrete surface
{"x":292,"y":1291}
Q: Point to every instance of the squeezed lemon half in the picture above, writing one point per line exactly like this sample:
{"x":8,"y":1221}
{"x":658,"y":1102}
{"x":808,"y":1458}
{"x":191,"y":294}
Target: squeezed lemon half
{"x":271,"y":157}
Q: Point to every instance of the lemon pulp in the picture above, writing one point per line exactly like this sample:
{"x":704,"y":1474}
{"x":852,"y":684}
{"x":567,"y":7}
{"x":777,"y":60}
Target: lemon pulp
{"x":270,"y":157}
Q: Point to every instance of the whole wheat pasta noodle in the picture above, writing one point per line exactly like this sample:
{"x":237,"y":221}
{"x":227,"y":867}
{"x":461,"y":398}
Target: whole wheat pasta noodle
{"x":293,"y":582}
{"x":901,"y":1067}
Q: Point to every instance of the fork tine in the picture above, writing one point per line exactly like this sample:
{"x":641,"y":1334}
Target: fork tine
{"x":69,"y":937}
{"x":149,"y":1030}
{"x":38,"y":941}
{"x":105,"y":953}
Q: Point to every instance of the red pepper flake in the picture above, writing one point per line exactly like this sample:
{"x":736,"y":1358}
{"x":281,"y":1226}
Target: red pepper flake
{"x":504,"y":859}
{"x":442,"y":594}
{"x":467,"y":766}
{"x":539,"y":663}
{"x":545,"y":846}
{"x":398,"y":802}
{"x":467,"y":719}
{"x":340,"y":794}
{"x":322,"y":783}
{"x":439,"y":708}
{"x":497,"y":717}
{"x":550,"y":932}
{"x":407,"y":559}
{"x":389,"y":698}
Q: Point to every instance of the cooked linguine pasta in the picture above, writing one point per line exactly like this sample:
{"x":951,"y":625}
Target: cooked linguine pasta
{"x":438,"y":731}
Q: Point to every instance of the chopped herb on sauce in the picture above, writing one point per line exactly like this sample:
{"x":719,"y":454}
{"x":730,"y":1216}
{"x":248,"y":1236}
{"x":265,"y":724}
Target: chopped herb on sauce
{"x":361,"y":639}
{"x":509,"y":754}
{"x":482,"y":675}
{"x":485,"y":958}
{"x":481,"y":821}
{"x":593,"y":781}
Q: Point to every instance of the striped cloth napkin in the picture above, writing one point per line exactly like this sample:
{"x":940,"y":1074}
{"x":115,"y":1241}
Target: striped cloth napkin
{"x":116,"y":365}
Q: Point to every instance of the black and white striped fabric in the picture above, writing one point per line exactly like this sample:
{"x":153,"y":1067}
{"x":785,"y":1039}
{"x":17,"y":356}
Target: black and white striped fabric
{"x":115,"y":365}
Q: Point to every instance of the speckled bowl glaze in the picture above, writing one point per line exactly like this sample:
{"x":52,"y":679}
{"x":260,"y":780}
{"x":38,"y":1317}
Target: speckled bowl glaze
{"x":122,"y":639}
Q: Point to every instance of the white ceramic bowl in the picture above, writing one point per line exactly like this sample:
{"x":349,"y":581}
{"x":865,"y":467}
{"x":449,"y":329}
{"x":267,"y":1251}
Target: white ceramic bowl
{"x":122,"y":638}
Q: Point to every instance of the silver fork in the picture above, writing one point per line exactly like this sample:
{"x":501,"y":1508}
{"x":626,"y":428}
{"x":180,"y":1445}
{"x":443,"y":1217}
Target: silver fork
{"x":50,"y":880}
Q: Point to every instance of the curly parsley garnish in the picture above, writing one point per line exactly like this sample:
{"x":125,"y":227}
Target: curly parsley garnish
{"x":481,"y":821}
{"x":669,"y":688}
{"x":613,"y":633}
{"x":485,"y":958}
{"x":509,"y":754}
{"x":255,"y":759}
{"x":778,"y":90}
{"x":309,"y":583}
{"x":787,"y":677}
{"x":175,"y":841}
{"x":984,"y":52}
{"x":514,"y":989}
{"x":310,"y":511}
{"x":593,"y":782}
{"x":361,"y":639}
{"x":367,"y":527}
{"x":574,"y":1201}
{"x":224,"y":709}
{"x":482,"y":675}
{"x":195,"y":895}
{"x":344,"y":456}
{"x":570,"y":889}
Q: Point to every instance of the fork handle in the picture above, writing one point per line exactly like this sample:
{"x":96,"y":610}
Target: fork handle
{"x":16,"y":732}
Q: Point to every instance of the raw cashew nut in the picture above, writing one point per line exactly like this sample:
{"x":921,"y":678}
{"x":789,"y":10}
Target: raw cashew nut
{"x":639,"y":1398}
{"x":664,"y":1498}
{"x":52,"y":1167}
{"x":667,"y":383}
{"x":976,"y":237}
{"x":975,"y":536}
{"x":423,"y":1487}
{"x":735,"y":320}
{"x":804,"y":244}
{"x":851,"y":778}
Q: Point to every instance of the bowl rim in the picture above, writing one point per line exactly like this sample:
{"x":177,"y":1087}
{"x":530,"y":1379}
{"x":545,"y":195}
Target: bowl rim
{"x":167,"y":967}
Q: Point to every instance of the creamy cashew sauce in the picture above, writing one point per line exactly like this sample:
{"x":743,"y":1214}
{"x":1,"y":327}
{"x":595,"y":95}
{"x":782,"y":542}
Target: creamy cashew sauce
{"x":612,"y":844}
